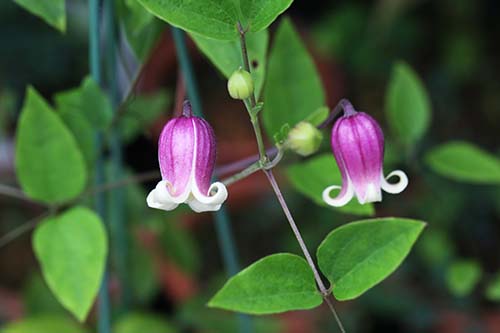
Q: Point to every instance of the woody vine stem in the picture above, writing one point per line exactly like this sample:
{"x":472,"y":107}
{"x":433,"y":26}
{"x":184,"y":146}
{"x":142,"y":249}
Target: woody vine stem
{"x":253,"y":109}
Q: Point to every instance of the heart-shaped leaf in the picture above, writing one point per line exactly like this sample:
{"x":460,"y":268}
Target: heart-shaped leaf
{"x":72,"y":249}
{"x":49,"y":163}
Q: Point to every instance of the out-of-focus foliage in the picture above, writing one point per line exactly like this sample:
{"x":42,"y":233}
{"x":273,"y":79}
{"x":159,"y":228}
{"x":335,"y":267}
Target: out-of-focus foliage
{"x":197,"y":315}
{"x":141,"y":27}
{"x":462,"y":276}
{"x":89,"y":100}
{"x":303,"y":92}
{"x":43,"y":141}
{"x":53,"y":11}
{"x":449,"y":53}
{"x":141,"y":111}
{"x":38,"y":298}
{"x":493,"y":289}
{"x":44,"y":324}
{"x":407,"y":105}
{"x":465,"y":162}
{"x":143,"y":322}
{"x":72,"y":250}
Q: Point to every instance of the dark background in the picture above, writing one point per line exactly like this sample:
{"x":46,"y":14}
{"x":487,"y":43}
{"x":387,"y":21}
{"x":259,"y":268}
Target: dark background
{"x":454,"y":47}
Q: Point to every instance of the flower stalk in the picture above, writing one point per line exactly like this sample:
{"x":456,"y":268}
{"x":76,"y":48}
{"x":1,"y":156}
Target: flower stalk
{"x":253,"y":110}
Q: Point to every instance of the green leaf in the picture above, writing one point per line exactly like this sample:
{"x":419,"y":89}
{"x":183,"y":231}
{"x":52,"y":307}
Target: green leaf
{"x":435,"y":247}
{"x":226,"y":55}
{"x":462,"y":276}
{"x":464,"y":162}
{"x":276,"y":283}
{"x":318,"y":116}
{"x":493,"y":289}
{"x":261,"y":13}
{"x":78,"y":124}
{"x":142,"y":111}
{"x":138,"y":17}
{"x":293,"y":88}
{"x":213,"y":19}
{"x":89,"y":100}
{"x":72,"y":249}
{"x":51,"y":11}
{"x":142,"y":322}
{"x":314,"y":175}
{"x":44,"y":324}
{"x":140,"y":26}
{"x":357,"y":256}
{"x":217,"y":19}
{"x":407,"y":105}
{"x":49,"y":165}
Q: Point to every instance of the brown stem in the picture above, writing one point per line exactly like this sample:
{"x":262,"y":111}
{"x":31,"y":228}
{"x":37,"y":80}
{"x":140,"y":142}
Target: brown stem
{"x":21,"y":229}
{"x":16,"y":193}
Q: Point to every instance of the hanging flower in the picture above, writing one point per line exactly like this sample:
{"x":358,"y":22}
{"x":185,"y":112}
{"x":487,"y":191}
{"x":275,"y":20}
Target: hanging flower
{"x":358,"y":146}
{"x":186,"y":154}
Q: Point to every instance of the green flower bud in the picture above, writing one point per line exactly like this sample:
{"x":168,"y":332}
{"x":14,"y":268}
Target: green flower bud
{"x":240,"y":84}
{"x":304,"y":138}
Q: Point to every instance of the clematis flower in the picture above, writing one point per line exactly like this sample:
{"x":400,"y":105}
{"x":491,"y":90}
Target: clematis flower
{"x":186,"y":154}
{"x":358,"y":146}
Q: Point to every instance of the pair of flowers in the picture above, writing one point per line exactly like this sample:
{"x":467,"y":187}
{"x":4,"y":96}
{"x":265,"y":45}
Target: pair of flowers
{"x":186,"y":154}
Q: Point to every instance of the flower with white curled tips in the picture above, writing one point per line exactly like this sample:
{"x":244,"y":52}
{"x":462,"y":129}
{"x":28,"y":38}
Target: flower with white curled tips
{"x":186,"y":154}
{"x":358,"y":146}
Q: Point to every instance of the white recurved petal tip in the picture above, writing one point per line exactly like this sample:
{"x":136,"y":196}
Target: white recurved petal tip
{"x":396,"y":187}
{"x":205,"y":203}
{"x":342,"y":198}
{"x":372,"y":194}
{"x":160,"y":197}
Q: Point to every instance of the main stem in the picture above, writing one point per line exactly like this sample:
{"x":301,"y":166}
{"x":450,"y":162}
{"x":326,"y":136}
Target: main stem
{"x":324,"y":291}
{"x":296,"y":232}
{"x":251,"y":103}
{"x":251,"y":107}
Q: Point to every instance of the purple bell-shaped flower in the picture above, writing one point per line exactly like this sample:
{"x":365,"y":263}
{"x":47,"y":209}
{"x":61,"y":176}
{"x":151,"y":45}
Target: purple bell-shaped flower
{"x":186,"y":154}
{"x":358,"y":146}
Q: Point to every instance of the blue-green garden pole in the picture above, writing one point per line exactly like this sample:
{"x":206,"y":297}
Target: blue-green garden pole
{"x":117,"y":221}
{"x":222,"y":223}
{"x":104,"y":313}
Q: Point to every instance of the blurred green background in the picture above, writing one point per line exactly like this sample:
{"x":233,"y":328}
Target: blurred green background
{"x":449,"y":283}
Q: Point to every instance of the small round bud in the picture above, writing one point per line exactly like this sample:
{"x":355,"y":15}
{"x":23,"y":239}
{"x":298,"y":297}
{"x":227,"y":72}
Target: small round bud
{"x":240,"y":84}
{"x":304,"y":138}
